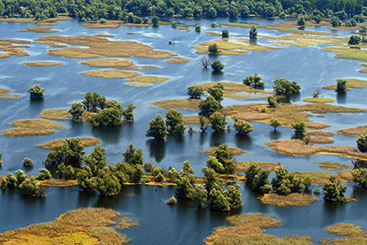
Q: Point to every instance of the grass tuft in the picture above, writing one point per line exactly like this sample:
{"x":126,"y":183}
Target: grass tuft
{"x":293,"y":199}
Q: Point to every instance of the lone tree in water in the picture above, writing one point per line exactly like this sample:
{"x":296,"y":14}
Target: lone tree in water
{"x":217,"y":66}
{"x":195,"y":91}
{"x":225,"y":34}
{"x":341,"y":86}
{"x":36,"y":92}
{"x":243,"y":128}
{"x":253,"y":33}
{"x":213,"y":49}
{"x":157,"y":128}
{"x":76,"y":110}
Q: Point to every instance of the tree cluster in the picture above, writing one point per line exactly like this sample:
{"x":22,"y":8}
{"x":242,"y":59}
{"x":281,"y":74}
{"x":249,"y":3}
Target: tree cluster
{"x":254,"y":81}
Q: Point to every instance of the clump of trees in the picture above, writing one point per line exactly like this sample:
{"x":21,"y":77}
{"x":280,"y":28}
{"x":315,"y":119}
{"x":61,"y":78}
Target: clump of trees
{"x":195,"y":91}
{"x":71,"y":152}
{"x":242,"y":127}
{"x":36,"y":92}
{"x":354,"y":40}
{"x":285,"y":87}
{"x":334,"y":191}
{"x":254,"y":81}
{"x":175,"y":124}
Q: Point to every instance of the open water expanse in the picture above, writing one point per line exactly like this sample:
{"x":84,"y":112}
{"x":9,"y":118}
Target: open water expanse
{"x":183,"y":223}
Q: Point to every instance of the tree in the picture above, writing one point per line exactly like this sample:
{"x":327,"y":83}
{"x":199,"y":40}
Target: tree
{"x":71,"y":152}
{"x":213,"y":163}
{"x":133,"y":156}
{"x":96,"y":159}
{"x":27,"y":162}
{"x":202,"y":124}
{"x":65,"y":172}
{"x":149,"y":167}
{"x":217,"y":92}
{"x":29,"y":188}
{"x":272,"y":101}
{"x":108,"y":117}
{"x":225,"y":34}
{"x":20,"y":176}
{"x":200,"y":196}
{"x":157,"y":128}
{"x":217,"y":200}
{"x":333,"y":191}
{"x":243,"y":128}
{"x":93,"y":100}
{"x":301,"y":20}
{"x":44,"y":174}
{"x":76,"y":110}
{"x":360,"y":176}
{"x":233,"y":195}
{"x":128,"y":113}
{"x":341,"y":86}
{"x":261,"y":183}
{"x":362,"y":143}
{"x":217,"y":66}
{"x":253,"y":33}
{"x":175,"y":123}
{"x":254,"y":81}
{"x":335,"y":22}
{"x":354,"y":40}
{"x":185,"y":188}
{"x":197,"y":28}
{"x":107,"y":183}
{"x":208,"y":106}
{"x":36,"y":92}
{"x":195,"y":91}
{"x":218,"y":121}
{"x":307,"y":182}
{"x":285,"y":87}
{"x":155,"y":21}
{"x":299,"y":128}
{"x":213,"y":49}
{"x":251,"y":172}
{"x":274,"y":122}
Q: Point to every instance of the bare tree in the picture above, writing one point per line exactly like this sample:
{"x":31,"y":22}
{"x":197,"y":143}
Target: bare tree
{"x":317,"y":93}
{"x":205,"y":62}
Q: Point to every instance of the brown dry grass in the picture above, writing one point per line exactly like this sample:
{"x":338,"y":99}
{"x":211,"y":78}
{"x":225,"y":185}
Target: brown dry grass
{"x":189,"y":104}
{"x":126,"y":223}
{"x":351,"y":83}
{"x":43,"y":63}
{"x":320,"y":133}
{"x":80,"y":226}
{"x":293,"y":199}
{"x":57,"y":182}
{"x":178,"y":60}
{"x":99,"y":46}
{"x":109,"y":24}
{"x":111,"y":73}
{"x":320,"y":139}
{"x":148,"y":79}
{"x":32,"y":127}
{"x":55,"y":114}
{"x":297,"y":147}
{"x":39,"y":29}
{"x":194,"y":120}
{"x":241,"y":167}
{"x":9,"y":46}
{"x":356,"y":131}
{"x":6,"y":94}
{"x":17,"y":20}
{"x":332,"y":165}
{"x":85,"y":141}
{"x":117,"y":63}
{"x":320,"y":178}
{"x":47,"y":23}
{"x":354,"y":234}
{"x":235,"y":151}
{"x":248,"y":229}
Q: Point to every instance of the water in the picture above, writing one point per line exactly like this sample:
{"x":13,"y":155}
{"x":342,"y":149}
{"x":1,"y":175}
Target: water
{"x":312,"y":68}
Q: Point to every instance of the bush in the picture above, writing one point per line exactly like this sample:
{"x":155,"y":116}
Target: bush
{"x":362,"y":143}
{"x":29,"y":188}
{"x":317,"y":191}
{"x":157,"y":128}
{"x":272,"y":101}
{"x":218,"y":121}
{"x":27,"y":162}
{"x":213,"y":49}
{"x":301,"y":20}
{"x":36,"y":92}
{"x":213,"y":25}
{"x":171,"y":201}
{"x":195,"y":92}
{"x":208,"y":106}
{"x":198,"y":28}
{"x":299,"y":128}
{"x":253,"y":33}
{"x":341,"y":86}
{"x":254,"y":81}
{"x":335,"y":22}
{"x":274,"y":122}
{"x":354,"y":40}
{"x":217,"y":66}
{"x":243,"y":127}
{"x":76,"y":110}
{"x":155,"y":21}
{"x":44,"y":174}
{"x":333,"y":191}
{"x":225,"y":34}
{"x":360,"y":176}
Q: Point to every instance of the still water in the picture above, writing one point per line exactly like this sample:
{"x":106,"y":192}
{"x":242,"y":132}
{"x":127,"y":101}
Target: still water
{"x":312,"y":68}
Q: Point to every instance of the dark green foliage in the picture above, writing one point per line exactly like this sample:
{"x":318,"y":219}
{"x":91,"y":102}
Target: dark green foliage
{"x":29,"y":188}
{"x":284,"y":183}
{"x":299,"y":128}
{"x":352,"y":22}
{"x":341,"y":86}
{"x":133,"y":156}
{"x":360,"y":176}
{"x":301,"y":20}
{"x":274,"y":122}
{"x":148,"y":167}
{"x":208,"y":106}
{"x":185,"y":189}
{"x":65,"y":172}
{"x":200,"y":196}
{"x":213,"y":49}
{"x":317,"y":191}
{"x":96,"y":159}
{"x":317,"y":18}
{"x":198,"y":28}
{"x":217,"y":92}
{"x":272,"y":101}
{"x":354,"y":40}
{"x":253,"y":33}
{"x":251,"y":172}
{"x":233,"y":195}
{"x":260,"y":182}
{"x":159,"y":177}
{"x":285,"y":87}
{"x":218,"y":121}
{"x":108,"y":117}
{"x":202,"y":124}
{"x":225,"y":34}
{"x":20,"y":176}
{"x":334,"y":191}
{"x":186,"y":168}
{"x":157,"y":128}
{"x":342,"y":15}
{"x":36,"y":92}
{"x":27,"y":162}
{"x":107,"y":183}
{"x":363,"y":29}
{"x":282,"y":15}
{"x":11,"y":181}
{"x":243,"y":128}
{"x":218,"y":201}
{"x":76,"y":110}
{"x":155,"y":21}
{"x":92,"y":101}
{"x":44,"y":174}
{"x":213,"y":163}
{"x":217,"y":66}
{"x":254,"y":81}
{"x":362,"y":143}
{"x":175,"y":123}
{"x":224,"y":156}
{"x":195,"y":92}
{"x":307,"y":182}
{"x":335,"y":22}
{"x":128,"y":113}
{"x":71,"y":152}
{"x":211,"y":178}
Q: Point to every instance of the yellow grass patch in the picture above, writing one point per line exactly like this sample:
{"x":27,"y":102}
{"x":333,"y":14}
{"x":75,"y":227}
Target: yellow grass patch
{"x":356,"y":131}
{"x":148,"y":79}
{"x":351,"y":83}
{"x":243,"y":166}
{"x":111,"y":73}
{"x":178,"y":60}
{"x":318,"y":100}
{"x":235,"y":151}
{"x":18,"y":20}
{"x":248,"y":229}
{"x":138,"y":84}
{"x":47,"y":23}
{"x":57,"y":182}
{"x":332,"y":165}
{"x":320,"y":139}
{"x":363,"y":70}
{"x":43,"y":63}
{"x":98,"y":46}
{"x":320,"y":133}
{"x":11,"y":48}
{"x":55,"y":114}
{"x":109,"y":24}
{"x":293,"y":199}
{"x":85,"y":141}
{"x":39,"y":29}
{"x":190,"y":104}
{"x":194,"y":120}
{"x":109,"y":63}
{"x":297,"y":147}
{"x":80,"y":226}
{"x":32,"y":127}
{"x":6,"y":94}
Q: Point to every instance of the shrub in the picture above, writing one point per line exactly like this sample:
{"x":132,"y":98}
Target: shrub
{"x":213,"y":49}
{"x":362,"y":143}
{"x":354,"y":40}
{"x":317,"y":191}
{"x":171,"y":201}
{"x":195,"y":92}
{"x":299,"y":128}
{"x":218,"y":121}
{"x":36,"y":92}
{"x":243,"y":127}
{"x":341,"y":86}
{"x":217,"y":66}
{"x":272,"y":101}
{"x":27,"y":162}
{"x":225,"y":34}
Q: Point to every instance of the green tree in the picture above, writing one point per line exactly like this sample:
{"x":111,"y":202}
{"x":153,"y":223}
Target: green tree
{"x":195,"y":91}
{"x":185,"y":188}
{"x":44,"y":174}
{"x":217,"y":200}
{"x":307,"y":182}
{"x":174,"y":122}
{"x":335,"y":22}
{"x":108,"y":117}
{"x":12,"y":182}
{"x":261,"y":182}
{"x":20,"y":176}
{"x":341,"y":86}
{"x":107,"y":183}
{"x":285,"y":87}
{"x":334,"y":191}
{"x":299,"y":128}
{"x":155,"y":21}
{"x":27,"y":162}
{"x":76,"y":110}
{"x":157,"y":128}
{"x":133,"y":156}
{"x":172,"y":201}
{"x":253,"y":33}
{"x":213,"y":163}
{"x":251,"y":172}
{"x":93,"y":100}
{"x":272,"y":101}
{"x":360,"y":176}
{"x":36,"y":92}
{"x":274,"y":122}
{"x":243,"y":128}
{"x":29,"y":188}
{"x":254,"y":81}
{"x":128,"y":113}
{"x":200,"y":196}
{"x":225,"y":34}
{"x":149,"y":167}
{"x":233,"y":195}
{"x":213,"y":49}
{"x":202,"y":124}
{"x":354,"y":40}
{"x":218,"y":121}
{"x":301,"y":20}
{"x":217,"y":66}
{"x":71,"y":152}
{"x":187,"y":169}
{"x":208,"y":106}
{"x":197,"y":28}
{"x":362,"y":143}
{"x":216,"y":92}
{"x":96,"y":160}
